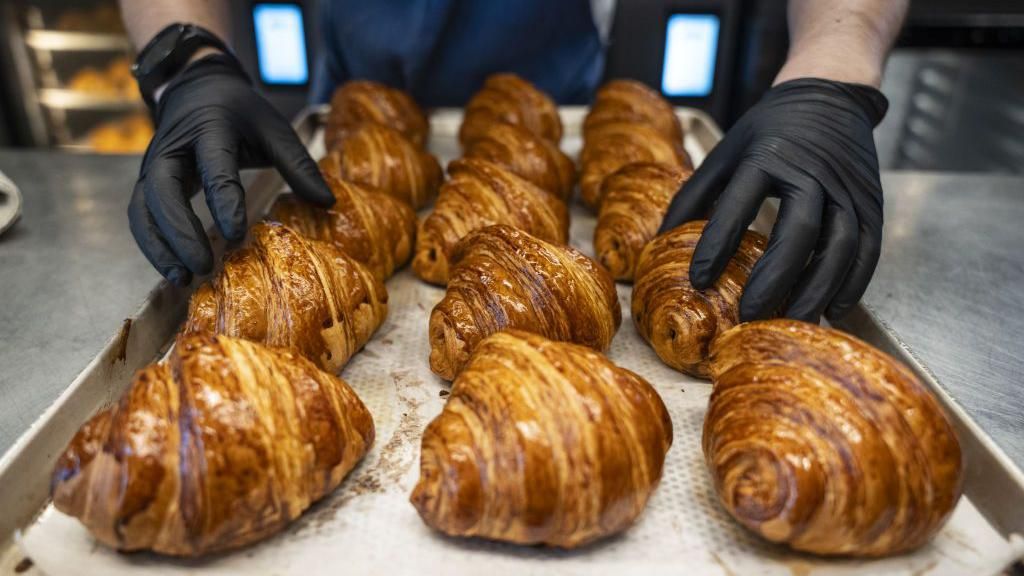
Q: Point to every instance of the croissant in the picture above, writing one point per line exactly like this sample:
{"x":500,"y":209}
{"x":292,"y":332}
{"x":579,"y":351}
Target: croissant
{"x":508,"y":99}
{"x":821,"y":442}
{"x":285,"y":291}
{"x":608,"y":147}
{"x":677,"y":321}
{"x":480,"y":193}
{"x":503,"y":278}
{"x":528,"y":156}
{"x":372,"y":228}
{"x":379,"y":157}
{"x":363,"y":101}
{"x":222,"y":445}
{"x":542,"y":442}
{"x":633,"y":200}
{"x":632,"y":101}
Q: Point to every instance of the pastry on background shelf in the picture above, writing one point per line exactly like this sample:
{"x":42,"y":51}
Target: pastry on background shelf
{"x":633,"y":200}
{"x":634,"y":102}
{"x":363,"y":101}
{"x":221,"y":445}
{"x":509,"y":99}
{"x":679,"y":322}
{"x":128,"y":135}
{"x":820,"y":442}
{"x":529,"y":156}
{"x":542,"y":442}
{"x":504,"y":278}
{"x":374,"y":228}
{"x":380,"y":157}
{"x":610,"y":146}
{"x":479,"y":193}
{"x":284,"y":290}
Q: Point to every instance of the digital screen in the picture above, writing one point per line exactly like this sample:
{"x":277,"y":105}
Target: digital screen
{"x":691,"y":48}
{"x":280,"y":44}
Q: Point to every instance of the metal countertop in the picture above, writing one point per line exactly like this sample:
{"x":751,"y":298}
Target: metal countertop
{"x":950,"y":282}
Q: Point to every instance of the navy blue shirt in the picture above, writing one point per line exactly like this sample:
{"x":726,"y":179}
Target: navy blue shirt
{"x":440,"y":51}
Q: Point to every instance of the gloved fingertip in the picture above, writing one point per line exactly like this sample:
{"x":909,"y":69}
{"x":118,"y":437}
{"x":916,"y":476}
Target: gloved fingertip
{"x":838,"y":311}
{"x":180,"y":277}
{"x":321,"y":194}
{"x":700,"y":277}
{"x":235,"y":229}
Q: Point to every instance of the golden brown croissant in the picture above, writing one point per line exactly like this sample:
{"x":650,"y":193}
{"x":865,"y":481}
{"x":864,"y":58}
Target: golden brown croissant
{"x":379,"y":157}
{"x":542,"y":442}
{"x":286,"y":291}
{"x":508,"y":99}
{"x":363,"y":101}
{"x":819,"y":441}
{"x":679,"y":322}
{"x":371,"y":227}
{"x":529,"y":156}
{"x":633,"y":200}
{"x":631,"y":101}
{"x":223,"y":445}
{"x":503,"y":278}
{"x":610,"y":146}
{"x":478,"y":194}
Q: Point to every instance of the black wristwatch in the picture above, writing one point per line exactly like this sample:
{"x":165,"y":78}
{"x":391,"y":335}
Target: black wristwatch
{"x":168,"y":53}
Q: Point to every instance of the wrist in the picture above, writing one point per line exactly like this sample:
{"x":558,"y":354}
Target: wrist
{"x":199,"y":54}
{"x":841,"y":58}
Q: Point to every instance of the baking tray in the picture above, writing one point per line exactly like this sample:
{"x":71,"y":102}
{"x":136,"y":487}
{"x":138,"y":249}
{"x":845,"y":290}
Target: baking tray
{"x":367,"y":525}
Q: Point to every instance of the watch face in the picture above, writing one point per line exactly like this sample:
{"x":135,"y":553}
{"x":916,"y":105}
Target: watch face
{"x":162,"y":46}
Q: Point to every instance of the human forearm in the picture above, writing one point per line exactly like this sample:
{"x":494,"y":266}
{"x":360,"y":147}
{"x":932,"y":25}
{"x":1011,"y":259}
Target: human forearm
{"x":144,"y":18}
{"x":844,"y":40}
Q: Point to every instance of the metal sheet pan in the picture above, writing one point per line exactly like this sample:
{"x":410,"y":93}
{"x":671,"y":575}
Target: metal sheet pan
{"x":404,"y":397}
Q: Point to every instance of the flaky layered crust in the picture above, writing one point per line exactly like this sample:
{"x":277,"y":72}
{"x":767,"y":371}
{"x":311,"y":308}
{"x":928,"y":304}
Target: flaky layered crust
{"x":821,"y":442}
{"x":529,"y":156}
{"x":508,"y":99}
{"x":542,"y":442}
{"x":365,"y":102}
{"x":223,"y":445}
{"x":631,"y":101}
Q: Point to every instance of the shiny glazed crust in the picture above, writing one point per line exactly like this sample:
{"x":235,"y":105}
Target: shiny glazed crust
{"x":542,"y":442}
{"x":480,"y":193}
{"x":222,"y":446}
{"x":821,"y":442}
{"x":632,"y":101}
{"x":508,"y":99}
{"x":528,"y":156}
{"x":362,"y":101}
{"x":677,"y":321}
{"x":286,"y":291}
{"x":504,"y":278}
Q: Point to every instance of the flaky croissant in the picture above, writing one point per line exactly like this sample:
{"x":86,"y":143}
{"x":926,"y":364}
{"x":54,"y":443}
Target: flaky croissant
{"x":363,"y":101}
{"x":380,"y":157}
{"x":222,"y":445}
{"x":631,"y":101}
{"x":372,"y":227}
{"x":678,"y":321}
{"x":480,"y":193}
{"x":821,"y":442}
{"x":508,"y":99}
{"x":286,"y":291}
{"x":610,"y":146}
{"x":542,"y":442}
{"x":633,"y":200}
{"x":529,"y":156}
{"x":504,"y":278}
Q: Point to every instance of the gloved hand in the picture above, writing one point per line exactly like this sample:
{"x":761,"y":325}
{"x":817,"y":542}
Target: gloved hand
{"x":809,"y":142}
{"x":210,"y":123}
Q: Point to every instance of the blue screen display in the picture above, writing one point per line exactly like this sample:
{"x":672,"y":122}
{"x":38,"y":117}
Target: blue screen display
{"x":280,"y":44}
{"x":691,"y":48}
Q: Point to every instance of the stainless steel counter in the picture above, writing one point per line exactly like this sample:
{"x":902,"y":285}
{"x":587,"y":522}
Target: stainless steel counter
{"x":951,"y":283}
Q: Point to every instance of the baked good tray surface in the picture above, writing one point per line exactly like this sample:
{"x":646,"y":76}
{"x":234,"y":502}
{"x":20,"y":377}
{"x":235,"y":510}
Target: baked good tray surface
{"x":368,"y":525}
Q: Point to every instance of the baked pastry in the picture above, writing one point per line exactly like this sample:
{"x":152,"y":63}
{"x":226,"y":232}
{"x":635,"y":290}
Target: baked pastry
{"x":542,"y":442}
{"x":508,"y":99}
{"x":818,"y":441}
{"x":222,"y":445}
{"x":504,"y":278}
{"x":677,"y":321}
{"x":633,"y":200}
{"x":610,"y":146}
{"x":528,"y":156}
{"x":371,"y":227}
{"x":480,"y":193}
{"x":286,"y":291}
{"x":380,"y":157}
{"x":631,"y":101}
{"x":363,"y":101}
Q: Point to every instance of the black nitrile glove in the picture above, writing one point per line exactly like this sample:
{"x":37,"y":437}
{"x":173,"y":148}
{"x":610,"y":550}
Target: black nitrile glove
{"x":210,"y":123}
{"x":809,"y":142}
